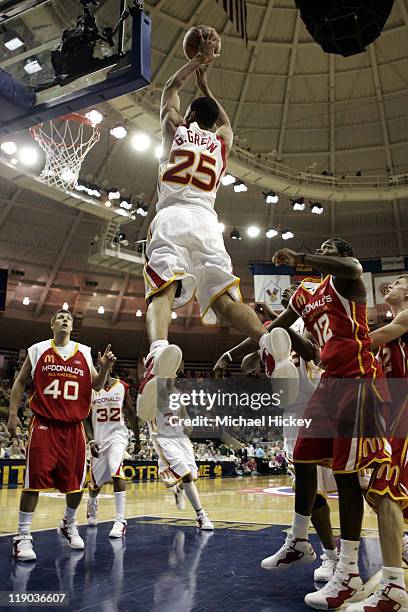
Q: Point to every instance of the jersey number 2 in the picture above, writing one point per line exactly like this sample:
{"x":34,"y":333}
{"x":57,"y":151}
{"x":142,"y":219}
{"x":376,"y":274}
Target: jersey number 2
{"x":178,"y":173}
{"x":70,"y":389}
{"x":105,"y":414}
{"x":322,"y":329}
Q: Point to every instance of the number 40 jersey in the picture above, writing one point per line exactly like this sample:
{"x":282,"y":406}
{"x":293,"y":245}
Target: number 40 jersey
{"x":108,"y":420}
{"x":339,"y":327}
{"x":194,"y":169}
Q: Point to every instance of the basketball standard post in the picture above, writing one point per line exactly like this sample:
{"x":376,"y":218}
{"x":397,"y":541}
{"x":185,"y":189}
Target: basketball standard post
{"x":20,"y":107}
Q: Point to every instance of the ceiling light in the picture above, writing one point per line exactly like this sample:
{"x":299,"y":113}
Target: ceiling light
{"x":158,"y":151}
{"x":240,"y":187}
{"x":140,"y":141}
{"x":253,"y":231}
{"x":101,"y":310}
{"x":93,"y":190}
{"x":26,"y":301}
{"x":228,"y":179}
{"x":28,"y":156}
{"x":174,"y":315}
{"x":114,"y":193}
{"x":32,"y":66}
{"x":8,"y":147}
{"x":65,"y":306}
{"x":139,"y":313}
{"x":270,"y":197}
{"x":287,"y":234}
{"x":126,"y":203}
{"x":119,"y":131}
{"x":388,"y":314}
{"x":221,"y":226}
{"x":141,"y":210}
{"x":14,"y":161}
{"x":298,"y":204}
{"x":271,"y":233}
{"x":81,"y":186}
{"x":13,"y":42}
{"x":94,"y":116}
{"x":108,"y":203}
{"x":316,"y":208}
{"x":235,"y":235}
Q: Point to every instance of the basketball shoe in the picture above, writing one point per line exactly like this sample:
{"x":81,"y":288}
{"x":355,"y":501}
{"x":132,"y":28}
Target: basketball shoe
{"x":23,"y":548}
{"x":69,"y":531}
{"x":388,"y":598}
{"x":325,"y":572}
{"x":161,"y":363}
{"x":341,"y":589}
{"x":293,"y":552}
{"x":119,"y":529}
{"x":204,"y":523}
{"x":275,"y":353}
{"x":91,"y":511}
{"x":179,"y":495}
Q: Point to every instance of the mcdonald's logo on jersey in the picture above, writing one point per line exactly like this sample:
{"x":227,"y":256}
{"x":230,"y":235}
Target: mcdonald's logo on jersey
{"x":300,"y":300}
{"x":49,"y":359}
{"x":390,"y":473}
{"x":371,"y":445}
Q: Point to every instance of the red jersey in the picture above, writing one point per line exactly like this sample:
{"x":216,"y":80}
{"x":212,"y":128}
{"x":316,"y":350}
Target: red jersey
{"x":393,"y":357}
{"x":339,"y":327}
{"x":62,"y":381}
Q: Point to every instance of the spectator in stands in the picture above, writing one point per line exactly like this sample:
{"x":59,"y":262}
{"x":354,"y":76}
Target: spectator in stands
{"x":250,"y":467}
{"x":14,"y":451}
{"x":259,"y":457}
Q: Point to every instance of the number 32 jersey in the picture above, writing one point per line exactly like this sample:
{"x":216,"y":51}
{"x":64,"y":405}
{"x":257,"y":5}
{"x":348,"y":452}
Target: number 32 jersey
{"x":339,"y":327}
{"x":194,"y":169}
{"x":108,"y":421}
{"x":62,"y":381}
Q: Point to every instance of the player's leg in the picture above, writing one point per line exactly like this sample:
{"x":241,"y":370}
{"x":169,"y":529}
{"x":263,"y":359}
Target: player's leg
{"x":119,"y":527}
{"x":22,"y":543}
{"x":203,"y":522}
{"x":158,"y":316}
{"x":92,"y":505}
{"x":322,"y":524}
{"x":297,"y":548}
{"x":178,"y":492}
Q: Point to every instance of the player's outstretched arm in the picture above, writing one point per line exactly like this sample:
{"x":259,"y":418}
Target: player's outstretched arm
{"x":341,"y":267}
{"x":223,"y":123}
{"x":397,"y":328}
{"x":16,"y":396}
{"x":106,"y":363}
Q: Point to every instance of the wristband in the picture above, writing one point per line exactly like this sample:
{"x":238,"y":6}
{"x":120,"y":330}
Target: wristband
{"x":228,"y":354}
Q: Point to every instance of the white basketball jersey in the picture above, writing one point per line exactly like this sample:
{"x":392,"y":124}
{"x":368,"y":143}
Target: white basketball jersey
{"x":193,"y":171}
{"x":107,"y":415}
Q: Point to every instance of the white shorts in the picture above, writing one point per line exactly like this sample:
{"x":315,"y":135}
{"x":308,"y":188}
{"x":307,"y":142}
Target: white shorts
{"x":107,"y":465}
{"x":185,"y":243}
{"x":176,"y":459}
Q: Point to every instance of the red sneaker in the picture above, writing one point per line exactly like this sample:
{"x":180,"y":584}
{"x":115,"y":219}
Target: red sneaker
{"x":163,"y":363}
{"x":388,"y":598}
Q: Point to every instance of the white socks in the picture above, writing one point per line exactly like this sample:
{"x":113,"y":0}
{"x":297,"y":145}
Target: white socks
{"x":300,"y":526}
{"x":348,"y":560}
{"x":69,"y":515}
{"x":331,"y":553}
{"x":394,"y":575}
{"x":24,"y":522}
{"x":192,"y":494}
{"x":120,"y":497}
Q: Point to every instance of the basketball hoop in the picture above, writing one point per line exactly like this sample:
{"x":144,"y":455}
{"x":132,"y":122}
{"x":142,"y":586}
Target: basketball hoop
{"x":65,"y":148}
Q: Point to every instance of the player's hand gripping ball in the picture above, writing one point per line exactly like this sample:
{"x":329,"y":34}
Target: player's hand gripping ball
{"x":203,"y":39}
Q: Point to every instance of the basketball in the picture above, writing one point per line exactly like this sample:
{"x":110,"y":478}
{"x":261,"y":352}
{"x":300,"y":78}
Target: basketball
{"x":192,"y":40}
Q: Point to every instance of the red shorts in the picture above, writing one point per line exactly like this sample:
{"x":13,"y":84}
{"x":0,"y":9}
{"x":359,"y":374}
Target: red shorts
{"x":346,"y":433}
{"x":56,"y":456}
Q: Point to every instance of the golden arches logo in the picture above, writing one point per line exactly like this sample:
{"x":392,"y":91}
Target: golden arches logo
{"x":390,"y":473}
{"x":371,"y":445}
{"x":300,"y":300}
{"x":49,"y":359}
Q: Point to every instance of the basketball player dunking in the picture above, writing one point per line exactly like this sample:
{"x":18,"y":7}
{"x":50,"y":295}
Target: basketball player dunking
{"x":62,"y":378}
{"x":334,"y":312}
{"x":388,"y":491}
{"x":185,"y":252}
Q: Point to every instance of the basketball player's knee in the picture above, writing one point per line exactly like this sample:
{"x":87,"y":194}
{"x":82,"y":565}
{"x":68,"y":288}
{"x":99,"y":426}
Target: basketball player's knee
{"x":221,"y":304}
{"x":319,"y":502}
{"x":188,"y":478}
{"x":305,"y":470}
{"x":119,"y":484}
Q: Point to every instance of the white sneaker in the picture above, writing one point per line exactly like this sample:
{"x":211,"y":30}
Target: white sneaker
{"x":293,"y":552}
{"x":388,"y":598}
{"x":118,"y":530}
{"x":91,"y":512}
{"x":23,"y":548}
{"x":69,"y":531}
{"x":405,"y":549}
{"x":342,"y":588}
{"x":204,"y":523}
{"x":163,"y":363}
{"x":279,"y":367}
{"x":180,"y":499}
{"x":325,"y":572}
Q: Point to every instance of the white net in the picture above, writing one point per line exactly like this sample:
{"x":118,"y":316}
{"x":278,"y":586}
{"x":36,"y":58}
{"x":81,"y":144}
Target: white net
{"x":65,"y":142}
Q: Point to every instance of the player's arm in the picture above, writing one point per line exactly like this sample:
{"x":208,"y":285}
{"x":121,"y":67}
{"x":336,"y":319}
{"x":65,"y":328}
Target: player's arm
{"x":341,"y":267}
{"x":188,"y":430}
{"x":223,"y":123}
{"x":132,"y":418}
{"x":93,"y":447}
{"x":106,"y":363}
{"x":397,"y":328}
{"x":16,"y":396}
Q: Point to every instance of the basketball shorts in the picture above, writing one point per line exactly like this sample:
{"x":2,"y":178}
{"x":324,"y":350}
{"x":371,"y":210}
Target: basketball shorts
{"x":184,"y":243}
{"x":346,"y":431}
{"x":108,"y":465}
{"x":176,"y":459}
{"x":56,"y":456}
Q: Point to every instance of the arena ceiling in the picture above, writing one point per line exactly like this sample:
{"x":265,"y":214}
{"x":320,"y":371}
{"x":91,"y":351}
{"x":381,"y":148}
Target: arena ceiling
{"x":289,"y":104}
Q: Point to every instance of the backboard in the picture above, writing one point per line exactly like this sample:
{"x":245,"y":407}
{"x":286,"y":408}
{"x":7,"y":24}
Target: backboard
{"x":60,"y":56}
